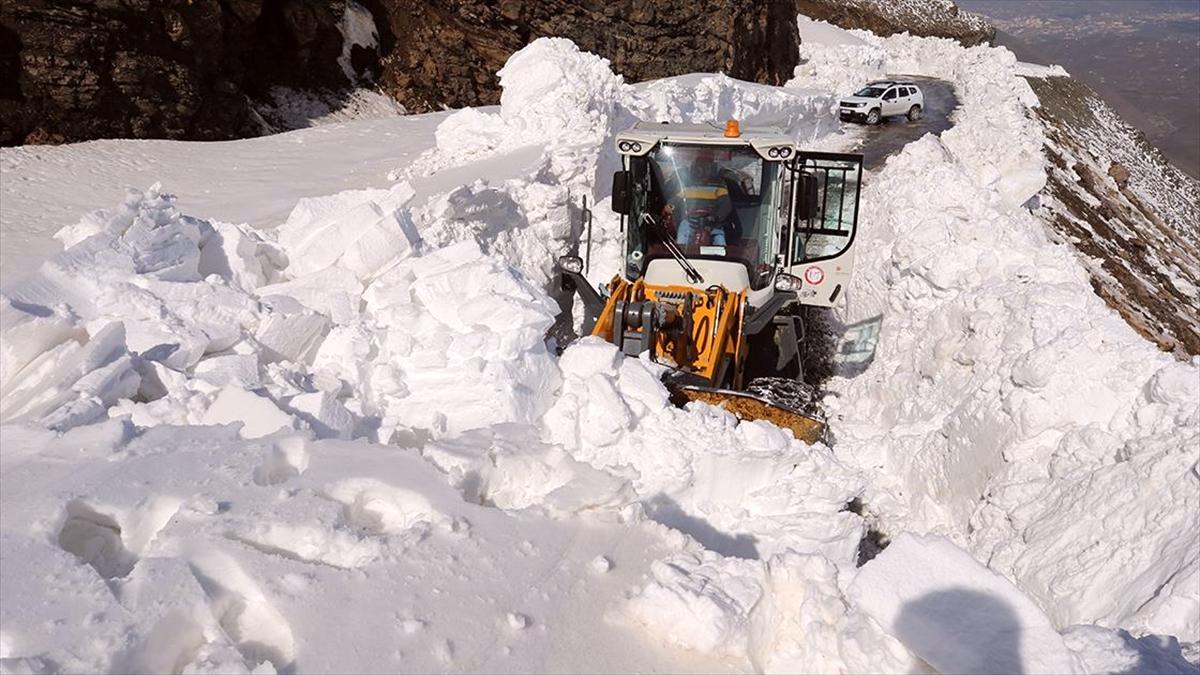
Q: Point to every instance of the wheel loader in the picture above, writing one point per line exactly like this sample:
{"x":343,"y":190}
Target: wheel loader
{"x":727,"y":233}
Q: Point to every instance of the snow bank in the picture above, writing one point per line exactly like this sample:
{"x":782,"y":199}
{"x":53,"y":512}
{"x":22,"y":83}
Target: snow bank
{"x":571,"y":102}
{"x":142,"y":285}
{"x":1007,"y":406}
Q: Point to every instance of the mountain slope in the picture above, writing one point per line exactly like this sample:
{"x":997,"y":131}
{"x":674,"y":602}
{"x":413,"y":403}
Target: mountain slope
{"x":1132,"y":215}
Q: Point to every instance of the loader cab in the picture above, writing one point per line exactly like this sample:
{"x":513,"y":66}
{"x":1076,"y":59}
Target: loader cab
{"x":740,"y":208}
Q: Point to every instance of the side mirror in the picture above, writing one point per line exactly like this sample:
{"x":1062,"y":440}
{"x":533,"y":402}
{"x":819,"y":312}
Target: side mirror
{"x":570,"y":263}
{"x":808,"y":196}
{"x":620,"y":193}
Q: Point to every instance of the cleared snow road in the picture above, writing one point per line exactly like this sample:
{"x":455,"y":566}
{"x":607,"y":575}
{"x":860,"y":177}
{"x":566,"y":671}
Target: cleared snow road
{"x":893,"y":133}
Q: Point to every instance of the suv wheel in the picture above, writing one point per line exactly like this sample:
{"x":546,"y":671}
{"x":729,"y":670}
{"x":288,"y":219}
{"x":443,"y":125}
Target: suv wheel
{"x":914,"y":113}
{"x":873,"y":116}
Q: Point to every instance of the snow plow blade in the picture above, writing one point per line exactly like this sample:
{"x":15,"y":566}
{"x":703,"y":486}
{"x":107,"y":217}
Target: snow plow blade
{"x":807,"y":427}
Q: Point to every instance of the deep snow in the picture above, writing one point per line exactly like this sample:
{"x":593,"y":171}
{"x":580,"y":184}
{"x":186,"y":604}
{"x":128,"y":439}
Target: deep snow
{"x":331,"y":435}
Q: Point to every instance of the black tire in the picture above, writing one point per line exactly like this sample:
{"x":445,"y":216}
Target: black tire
{"x":874,"y":117}
{"x":914,"y":113}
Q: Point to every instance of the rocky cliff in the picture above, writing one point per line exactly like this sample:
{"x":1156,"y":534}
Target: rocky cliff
{"x":73,"y":70}
{"x":452,"y":48}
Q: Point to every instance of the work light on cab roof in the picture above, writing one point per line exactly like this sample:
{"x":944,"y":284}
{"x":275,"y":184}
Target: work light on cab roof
{"x":728,"y":231}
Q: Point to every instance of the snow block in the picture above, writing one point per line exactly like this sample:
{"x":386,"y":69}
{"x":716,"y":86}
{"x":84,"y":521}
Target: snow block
{"x":589,"y":356}
{"x":259,"y":415}
{"x":700,"y":602}
{"x":956,"y":614}
{"x":158,"y":380}
{"x":378,"y":245}
{"x":167,"y":247}
{"x":319,"y":244}
{"x":73,"y":383}
{"x":325,"y":413}
{"x":322,"y":291}
{"x":28,"y":331}
{"x":239,"y":370}
{"x":364,"y":229}
{"x":290,"y":332}
{"x":237,"y":255}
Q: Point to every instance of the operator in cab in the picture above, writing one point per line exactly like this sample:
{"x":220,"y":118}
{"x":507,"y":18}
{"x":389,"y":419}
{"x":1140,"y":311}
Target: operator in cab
{"x":701,"y":211}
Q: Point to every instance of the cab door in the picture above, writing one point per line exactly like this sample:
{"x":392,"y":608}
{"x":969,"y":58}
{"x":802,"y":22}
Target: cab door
{"x":822,"y":224}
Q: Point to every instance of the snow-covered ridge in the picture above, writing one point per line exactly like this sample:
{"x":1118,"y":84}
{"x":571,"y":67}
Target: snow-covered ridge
{"x":344,"y":444}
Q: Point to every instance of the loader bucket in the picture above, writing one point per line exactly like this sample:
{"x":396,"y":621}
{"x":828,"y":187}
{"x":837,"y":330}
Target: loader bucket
{"x":806,"y":426}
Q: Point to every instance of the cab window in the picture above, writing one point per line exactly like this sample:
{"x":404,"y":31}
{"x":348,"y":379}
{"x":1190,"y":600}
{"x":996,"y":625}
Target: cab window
{"x":890,"y":95}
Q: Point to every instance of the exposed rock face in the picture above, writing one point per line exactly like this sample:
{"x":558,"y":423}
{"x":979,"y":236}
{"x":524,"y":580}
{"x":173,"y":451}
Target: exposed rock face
{"x":76,"y":70}
{"x":931,"y":18}
{"x":447,"y":52}
{"x":190,"y":69}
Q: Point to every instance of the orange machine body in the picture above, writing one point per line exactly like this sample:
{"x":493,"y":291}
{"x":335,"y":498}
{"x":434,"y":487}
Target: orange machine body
{"x":705,"y":328}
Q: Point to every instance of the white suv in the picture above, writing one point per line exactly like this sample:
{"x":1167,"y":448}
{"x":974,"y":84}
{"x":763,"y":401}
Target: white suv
{"x":882,"y":99}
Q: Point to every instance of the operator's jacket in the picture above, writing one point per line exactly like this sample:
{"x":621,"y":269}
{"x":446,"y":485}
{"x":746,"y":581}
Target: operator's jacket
{"x":697,"y":207}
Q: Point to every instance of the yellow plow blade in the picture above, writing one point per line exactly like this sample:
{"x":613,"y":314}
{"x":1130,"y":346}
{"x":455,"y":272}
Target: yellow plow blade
{"x":746,"y":406}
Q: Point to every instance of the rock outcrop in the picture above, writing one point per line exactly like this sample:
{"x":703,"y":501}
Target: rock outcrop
{"x":930,"y":18}
{"x":73,"y":70}
{"x":451,"y":49}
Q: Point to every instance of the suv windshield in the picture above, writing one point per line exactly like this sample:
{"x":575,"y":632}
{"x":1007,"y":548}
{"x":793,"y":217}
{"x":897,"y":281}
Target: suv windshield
{"x":712,"y":203}
{"x":869,"y":92}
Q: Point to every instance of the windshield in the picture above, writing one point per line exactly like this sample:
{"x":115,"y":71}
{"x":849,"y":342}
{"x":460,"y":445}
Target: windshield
{"x":869,"y":92}
{"x":712,"y":203}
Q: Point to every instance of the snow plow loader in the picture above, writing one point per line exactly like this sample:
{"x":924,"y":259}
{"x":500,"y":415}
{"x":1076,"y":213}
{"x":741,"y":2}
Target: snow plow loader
{"x":727,"y":233}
